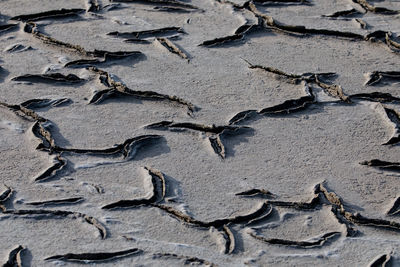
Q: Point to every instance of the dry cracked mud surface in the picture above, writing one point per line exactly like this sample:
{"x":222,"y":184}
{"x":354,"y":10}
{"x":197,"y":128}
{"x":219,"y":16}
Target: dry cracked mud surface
{"x":202,"y":132}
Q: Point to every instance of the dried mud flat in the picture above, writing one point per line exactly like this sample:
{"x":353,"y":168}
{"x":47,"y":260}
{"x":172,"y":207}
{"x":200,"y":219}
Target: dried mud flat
{"x":203,"y":132}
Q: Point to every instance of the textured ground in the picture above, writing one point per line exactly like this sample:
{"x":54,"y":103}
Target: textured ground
{"x":205,"y":132}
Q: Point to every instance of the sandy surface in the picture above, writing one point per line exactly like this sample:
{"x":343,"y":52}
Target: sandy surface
{"x":90,"y":175}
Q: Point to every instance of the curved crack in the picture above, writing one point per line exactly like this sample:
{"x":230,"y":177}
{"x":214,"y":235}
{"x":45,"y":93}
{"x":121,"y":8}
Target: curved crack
{"x":95,"y":257}
{"x":395,"y":209}
{"x":118,"y":88}
{"x":14,"y":257}
{"x":60,"y":213}
{"x":319,"y":242}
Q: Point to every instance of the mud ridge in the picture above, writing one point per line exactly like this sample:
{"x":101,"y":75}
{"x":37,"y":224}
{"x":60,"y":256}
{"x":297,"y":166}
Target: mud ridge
{"x":14,"y":257}
{"x":90,"y":258}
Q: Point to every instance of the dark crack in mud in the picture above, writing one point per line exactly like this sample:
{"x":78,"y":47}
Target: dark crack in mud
{"x":383,"y":165}
{"x":97,"y":257}
{"x":157,"y":194}
{"x":166,"y":31}
{"x":343,"y":13}
{"x":52,"y":171}
{"x":319,"y":241}
{"x":62,"y":13}
{"x":173,"y":48}
{"x":186,"y":259}
{"x":172,"y":3}
{"x":381,"y":261}
{"x":394,"y":117}
{"x":116,"y":88}
{"x":230,"y":240}
{"x":49,"y":78}
{"x":371,"y":8}
{"x":38,"y":103}
{"x":395,"y":209}
{"x":94,"y":57}
{"x":14,"y":257}
{"x":6,"y":27}
{"x":73,"y":200}
{"x":215,"y":133}
{"x":377,"y":76}
{"x":54,"y":214}
{"x":340,"y":211}
{"x":375,"y":97}
{"x":256,"y":193}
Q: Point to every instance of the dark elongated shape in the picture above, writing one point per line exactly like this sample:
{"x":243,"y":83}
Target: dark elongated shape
{"x":216,"y":223}
{"x":48,"y":78}
{"x":241,"y":116}
{"x":122,"y":89}
{"x":371,"y":8}
{"x":7,"y":27}
{"x":52,"y":171}
{"x":171,"y":47}
{"x":124,"y":148}
{"x":6,"y":194}
{"x":14,"y":257}
{"x":315,"y":201}
{"x":377,"y":76}
{"x":44,"y":102}
{"x":305,"y":244}
{"x":384,"y":165}
{"x":88,"y":258}
{"x":395,"y":209}
{"x":381,"y":261}
{"x":157,"y":194}
{"x":376,"y":97}
{"x":256,"y":192}
{"x":222,"y":40}
{"x":49,"y":14}
{"x":193,"y":126}
{"x":217,"y":145}
{"x":187,"y":259}
{"x":343,"y":13}
{"x":56,"y":201}
{"x":290,"y":106}
{"x":61,"y":213}
{"x":148,"y":33}
{"x":394,"y":117}
{"x":158,"y":2}
{"x":230,"y":240}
